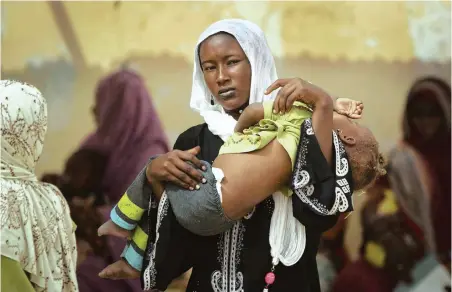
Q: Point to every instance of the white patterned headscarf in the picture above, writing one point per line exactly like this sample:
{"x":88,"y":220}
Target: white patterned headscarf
{"x":36,"y":226}
{"x":263,"y":73}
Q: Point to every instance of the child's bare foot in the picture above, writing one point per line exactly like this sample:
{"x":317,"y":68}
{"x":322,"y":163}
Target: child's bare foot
{"x":119,"y":270}
{"x":110,"y":228}
{"x":349,"y":107}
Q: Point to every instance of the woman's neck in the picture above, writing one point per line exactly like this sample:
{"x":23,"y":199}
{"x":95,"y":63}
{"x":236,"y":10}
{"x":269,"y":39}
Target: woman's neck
{"x":235,"y":113}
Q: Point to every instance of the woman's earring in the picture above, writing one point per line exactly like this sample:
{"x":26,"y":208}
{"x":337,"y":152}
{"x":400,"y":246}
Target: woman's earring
{"x":211,"y":100}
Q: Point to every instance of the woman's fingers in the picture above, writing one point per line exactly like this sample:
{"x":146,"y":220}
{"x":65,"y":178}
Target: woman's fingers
{"x":180,"y":158}
{"x":293,"y":96}
{"x":275,"y":85}
{"x":288,"y":90}
{"x":179,"y":177}
{"x":280,"y":99}
{"x":178,"y":167}
{"x":189,"y":170}
{"x":194,"y":151}
{"x":279,"y":106}
{"x":190,"y":155}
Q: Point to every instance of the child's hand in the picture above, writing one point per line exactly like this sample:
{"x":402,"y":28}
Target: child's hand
{"x":349,"y":107}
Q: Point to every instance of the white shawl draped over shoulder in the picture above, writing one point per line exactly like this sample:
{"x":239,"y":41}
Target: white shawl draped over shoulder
{"x":36,"y":226}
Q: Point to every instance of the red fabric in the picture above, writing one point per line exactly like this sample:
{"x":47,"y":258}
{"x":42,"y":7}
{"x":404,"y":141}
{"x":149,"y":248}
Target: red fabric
{"x":360,"y":276}
{"x":383,"y":183}
{"x":333,"y":240}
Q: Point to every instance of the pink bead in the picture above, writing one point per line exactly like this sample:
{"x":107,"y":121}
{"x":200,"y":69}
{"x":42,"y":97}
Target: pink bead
{"x":270,"y":278}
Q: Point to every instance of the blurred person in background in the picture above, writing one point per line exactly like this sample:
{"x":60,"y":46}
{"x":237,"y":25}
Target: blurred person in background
{"x":426,"y":129}
{"x":128,"y":130}
{"x":38,"y":244}
{"x":332,"y":255}
{"x":390,"y":249}
{"x":417,"y":183}
{"x":97,"y":174}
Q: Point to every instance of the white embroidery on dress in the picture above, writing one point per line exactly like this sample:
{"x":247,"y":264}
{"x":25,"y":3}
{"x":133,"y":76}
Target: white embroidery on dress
{"x":304,"y":180}
{"x":304,"y":188}
{"x":341,"y":163}
{"x":228,"y":279}
{"x":309,"y":190}
{"x":341,"y":200}
{"x":150,"y":274}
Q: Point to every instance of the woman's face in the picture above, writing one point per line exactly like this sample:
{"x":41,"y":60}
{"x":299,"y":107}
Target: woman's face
{"x":425,"y":112}
{"x":226,"y":69}
{"x":426,"y":122}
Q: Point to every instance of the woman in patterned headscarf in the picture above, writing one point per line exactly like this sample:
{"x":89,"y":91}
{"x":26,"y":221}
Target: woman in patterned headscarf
{"x":38,"y":246}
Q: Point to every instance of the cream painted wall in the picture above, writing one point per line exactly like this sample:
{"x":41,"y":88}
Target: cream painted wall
{"x":337,"y":46}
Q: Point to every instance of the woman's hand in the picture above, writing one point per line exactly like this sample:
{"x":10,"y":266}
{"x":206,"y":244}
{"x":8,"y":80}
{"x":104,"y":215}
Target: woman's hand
{"x":349,"y":107}
{"x":174,"y":167}
{"x":296,"y":89}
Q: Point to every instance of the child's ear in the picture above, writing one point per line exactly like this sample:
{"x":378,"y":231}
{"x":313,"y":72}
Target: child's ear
{"x":349,"y":140}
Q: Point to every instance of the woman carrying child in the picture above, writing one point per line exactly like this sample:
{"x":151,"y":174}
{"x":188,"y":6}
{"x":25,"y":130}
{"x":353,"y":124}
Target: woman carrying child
{"x":233,"y":69}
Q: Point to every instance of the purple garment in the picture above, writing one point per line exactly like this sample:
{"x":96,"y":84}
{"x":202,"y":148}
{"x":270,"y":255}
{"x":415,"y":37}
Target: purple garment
{"x":89,"y":281}
{"x":88,"y":271}
{"x":129,"y":131}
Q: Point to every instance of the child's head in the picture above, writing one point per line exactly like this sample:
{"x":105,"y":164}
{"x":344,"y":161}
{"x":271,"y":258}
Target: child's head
{"x":85,"y":169}
{"x":366,"y":162}
{"x":83,"y":174}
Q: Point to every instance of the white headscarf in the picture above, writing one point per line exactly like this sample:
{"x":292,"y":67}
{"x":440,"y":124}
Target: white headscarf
{"x":36,"y":226}
{"x":287,"y":235}
{"x":252,"y":40}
